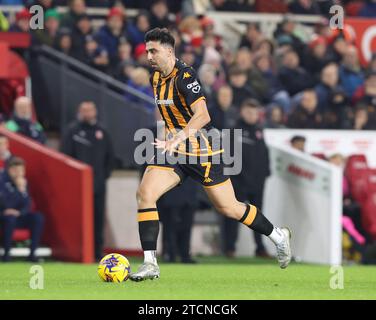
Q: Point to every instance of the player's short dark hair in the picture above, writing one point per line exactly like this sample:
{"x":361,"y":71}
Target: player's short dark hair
{"x":15,"y":162}
{"x":162,"y":35}
{"x":297,"y":139}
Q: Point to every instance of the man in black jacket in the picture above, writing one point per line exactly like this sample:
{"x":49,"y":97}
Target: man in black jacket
{"x":86,"y":140}
{"x":249,"y":184}
{"x":306,"y":115}
{"x":292,"y":76}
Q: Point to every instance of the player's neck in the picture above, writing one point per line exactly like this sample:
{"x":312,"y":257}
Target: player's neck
{"x":169,"y":67}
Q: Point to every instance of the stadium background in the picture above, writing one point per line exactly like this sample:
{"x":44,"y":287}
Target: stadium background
{"x":288,"y":56}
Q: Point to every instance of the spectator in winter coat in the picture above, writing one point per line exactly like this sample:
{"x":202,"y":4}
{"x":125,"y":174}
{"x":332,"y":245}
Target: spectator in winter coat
{"x":76,"y":9}
{"x":293,"y":77}
{"x":328,"y":84}
{"x":222,"y":112}
{"x":15,"y":208}
{"x":351,"y":74}
{"x":138,"y":29}
{"x":113,"y":32}
{"x":306,"y":115}
{"x":22,"y":121}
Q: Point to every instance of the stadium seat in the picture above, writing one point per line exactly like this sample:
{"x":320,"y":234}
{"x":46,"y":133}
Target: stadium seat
{"x":371,"y":181}
{"x":355,"y":162}
{"x":20,"y":235}
{"x":368,"y":203}
{"x":369,"y":215}
{"x":357,"y":171}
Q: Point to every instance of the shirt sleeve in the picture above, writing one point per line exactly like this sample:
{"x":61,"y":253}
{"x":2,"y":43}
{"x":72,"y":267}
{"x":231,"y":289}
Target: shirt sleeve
{"x":189,"y":86}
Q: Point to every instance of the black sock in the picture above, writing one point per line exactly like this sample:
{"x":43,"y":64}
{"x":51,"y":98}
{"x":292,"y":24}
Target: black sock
{"x":148,"y":227}
{"x":254,"y":219}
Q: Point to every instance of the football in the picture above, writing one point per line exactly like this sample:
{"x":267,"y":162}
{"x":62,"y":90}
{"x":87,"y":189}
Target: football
{"x":114,"y":268}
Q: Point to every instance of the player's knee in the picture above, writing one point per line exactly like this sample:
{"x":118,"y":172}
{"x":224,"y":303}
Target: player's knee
{"x":145,"y":195}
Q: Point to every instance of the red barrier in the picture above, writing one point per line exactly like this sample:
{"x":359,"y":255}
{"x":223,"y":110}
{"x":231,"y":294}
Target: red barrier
{"x":16,"y":39}
{"x":62,"y":188}
{"x":4,"y":65}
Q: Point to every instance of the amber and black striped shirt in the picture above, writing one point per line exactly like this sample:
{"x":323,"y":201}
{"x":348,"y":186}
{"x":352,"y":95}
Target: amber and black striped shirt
{"x":174,"y":96}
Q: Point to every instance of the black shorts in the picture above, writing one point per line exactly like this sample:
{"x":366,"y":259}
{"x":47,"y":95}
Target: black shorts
{"x":209,"y":173}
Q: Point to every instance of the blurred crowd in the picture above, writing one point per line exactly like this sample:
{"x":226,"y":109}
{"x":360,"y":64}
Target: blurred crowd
{"x":319,"y":83}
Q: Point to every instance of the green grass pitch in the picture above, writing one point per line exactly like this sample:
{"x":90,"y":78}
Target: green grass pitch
{"x":212,"y":278}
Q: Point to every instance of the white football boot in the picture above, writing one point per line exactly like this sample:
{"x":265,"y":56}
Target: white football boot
{"x":146,"y":271}
{"x":284,"y":249}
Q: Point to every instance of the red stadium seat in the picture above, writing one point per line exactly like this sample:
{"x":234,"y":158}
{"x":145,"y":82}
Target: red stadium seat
{"x":371,"y":181}
{"x":369,"y":215}
{"x":356,"y":161}
{"x":369,"y":204}
{"x":357,"y":172}
{"x":20,"y":235}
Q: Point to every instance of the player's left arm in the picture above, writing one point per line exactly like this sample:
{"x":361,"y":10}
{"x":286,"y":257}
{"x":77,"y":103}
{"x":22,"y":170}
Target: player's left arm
{"x":199,"y":119}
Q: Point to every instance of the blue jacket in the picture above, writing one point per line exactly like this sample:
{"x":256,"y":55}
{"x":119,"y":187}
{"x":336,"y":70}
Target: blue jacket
{"x":143,"y":89}
{"x":11,"y":197}
{"x":325,"y":94}
{"x":350,"y":80}
{"x":136,"y":36}
{"x":109,"y":41}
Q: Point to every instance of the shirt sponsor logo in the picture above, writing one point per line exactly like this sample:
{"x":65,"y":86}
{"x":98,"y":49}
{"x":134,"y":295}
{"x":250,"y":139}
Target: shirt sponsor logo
{"x":194,"y":86}
{"x":165,"y":101}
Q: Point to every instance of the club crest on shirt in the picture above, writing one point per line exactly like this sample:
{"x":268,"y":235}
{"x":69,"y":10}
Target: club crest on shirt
{"x":186,"y":75}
